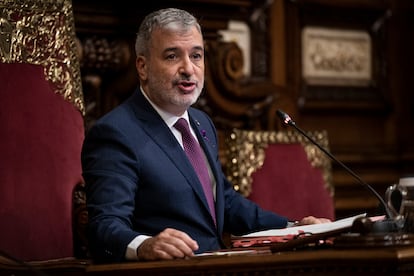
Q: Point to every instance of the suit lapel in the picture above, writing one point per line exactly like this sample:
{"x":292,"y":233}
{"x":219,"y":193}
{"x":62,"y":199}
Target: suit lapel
{"x":156,"y":128}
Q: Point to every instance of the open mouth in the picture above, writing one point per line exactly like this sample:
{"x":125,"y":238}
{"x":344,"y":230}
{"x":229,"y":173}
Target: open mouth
{"x":187,"y":86}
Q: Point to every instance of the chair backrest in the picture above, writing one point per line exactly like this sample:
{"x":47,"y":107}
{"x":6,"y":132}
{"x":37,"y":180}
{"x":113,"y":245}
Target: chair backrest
{"x":282,"y":171}
{"x":41,"y":110}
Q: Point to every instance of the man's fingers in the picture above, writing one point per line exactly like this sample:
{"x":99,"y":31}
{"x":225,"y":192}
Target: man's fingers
{"x":313,"y":220}
{"x":180,"y":239}
{"x":168,"y":244}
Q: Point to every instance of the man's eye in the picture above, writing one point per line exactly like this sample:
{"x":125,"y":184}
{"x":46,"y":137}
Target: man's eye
{"x":172,"y":57}
{"x":197,"y":56}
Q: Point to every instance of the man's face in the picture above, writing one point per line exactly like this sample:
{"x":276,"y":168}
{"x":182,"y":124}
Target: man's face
{"x":173,"y":74}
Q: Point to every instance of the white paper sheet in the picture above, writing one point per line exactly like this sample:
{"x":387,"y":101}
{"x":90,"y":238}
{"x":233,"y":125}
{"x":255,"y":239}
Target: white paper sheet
{"x":312,"y":228}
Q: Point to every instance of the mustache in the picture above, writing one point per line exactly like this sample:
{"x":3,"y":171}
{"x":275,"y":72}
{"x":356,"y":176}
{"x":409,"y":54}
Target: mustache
{"x":184,"y":80}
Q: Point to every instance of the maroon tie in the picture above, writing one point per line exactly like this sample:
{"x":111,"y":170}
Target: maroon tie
{"x":196,"y":157}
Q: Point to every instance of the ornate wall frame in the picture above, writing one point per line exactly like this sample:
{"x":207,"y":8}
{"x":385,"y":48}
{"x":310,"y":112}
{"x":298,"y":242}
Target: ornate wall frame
{"x":336,"y":57}
{"x":362,"y":32}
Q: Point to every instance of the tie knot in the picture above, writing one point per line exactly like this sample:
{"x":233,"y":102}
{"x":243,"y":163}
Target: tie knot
{"x":182,"y":125}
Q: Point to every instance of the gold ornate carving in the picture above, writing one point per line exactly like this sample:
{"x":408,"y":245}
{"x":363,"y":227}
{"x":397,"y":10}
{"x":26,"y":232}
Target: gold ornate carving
{"x":246,"y":153}
{"x":41,"y":32}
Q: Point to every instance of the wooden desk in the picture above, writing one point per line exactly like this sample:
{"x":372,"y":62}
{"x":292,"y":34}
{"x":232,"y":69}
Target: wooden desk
{"x":365,"y":261}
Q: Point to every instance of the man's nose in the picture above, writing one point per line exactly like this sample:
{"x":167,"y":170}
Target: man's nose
{"x":187,"y":67}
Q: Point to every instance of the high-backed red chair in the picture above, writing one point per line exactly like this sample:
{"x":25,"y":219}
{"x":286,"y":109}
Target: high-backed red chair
{"x":282,"y":171}
{"x":41,"y":108}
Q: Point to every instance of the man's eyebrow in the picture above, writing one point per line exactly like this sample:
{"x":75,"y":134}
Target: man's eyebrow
{"x":170,"y":49}
{"x":200,"y":48}
{"x":173,"y":49}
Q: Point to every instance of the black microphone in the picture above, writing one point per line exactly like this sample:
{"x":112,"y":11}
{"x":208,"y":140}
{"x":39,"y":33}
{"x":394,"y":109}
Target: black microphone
{"x":387,"y":225}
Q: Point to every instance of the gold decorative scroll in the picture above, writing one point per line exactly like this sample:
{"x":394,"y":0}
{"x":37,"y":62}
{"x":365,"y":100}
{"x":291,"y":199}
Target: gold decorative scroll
{"x":41,"y":32}
{"x":246,"y":154}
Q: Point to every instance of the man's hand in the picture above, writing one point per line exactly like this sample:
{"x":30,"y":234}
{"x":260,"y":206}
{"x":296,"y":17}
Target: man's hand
{"x":312,"y":220}
{"x":167,"y":245}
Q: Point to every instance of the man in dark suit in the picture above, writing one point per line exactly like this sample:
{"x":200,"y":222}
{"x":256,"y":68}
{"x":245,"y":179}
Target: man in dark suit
{"x":145,"y":199}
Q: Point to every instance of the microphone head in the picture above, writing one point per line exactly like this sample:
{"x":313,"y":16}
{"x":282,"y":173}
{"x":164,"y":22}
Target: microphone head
{"x":284,"y":117}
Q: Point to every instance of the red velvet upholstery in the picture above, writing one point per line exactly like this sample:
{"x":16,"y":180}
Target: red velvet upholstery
{"x":289,"y":185}
{"x":281,"y":171}
{"x":41,"y":139}
{"x":41,"y":107}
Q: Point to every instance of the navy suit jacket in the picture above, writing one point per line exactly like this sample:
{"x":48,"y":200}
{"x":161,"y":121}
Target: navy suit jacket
{"x":139,"y":181}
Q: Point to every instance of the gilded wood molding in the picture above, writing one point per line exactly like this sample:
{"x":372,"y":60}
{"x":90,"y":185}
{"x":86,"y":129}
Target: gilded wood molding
{"x":246,"y":153}
{"x":41,"y":32}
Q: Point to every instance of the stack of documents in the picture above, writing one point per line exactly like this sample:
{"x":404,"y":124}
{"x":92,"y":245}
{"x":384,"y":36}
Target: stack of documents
{"x":267,"y":237}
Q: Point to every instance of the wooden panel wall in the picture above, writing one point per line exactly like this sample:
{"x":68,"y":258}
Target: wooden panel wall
{"x":370,"y":128}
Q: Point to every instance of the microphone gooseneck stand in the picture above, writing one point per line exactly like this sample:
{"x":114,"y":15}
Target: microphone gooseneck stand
{"x":392,"y":224}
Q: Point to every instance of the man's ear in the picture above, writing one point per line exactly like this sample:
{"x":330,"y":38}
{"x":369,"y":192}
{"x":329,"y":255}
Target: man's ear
{"x":142,"y":69}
